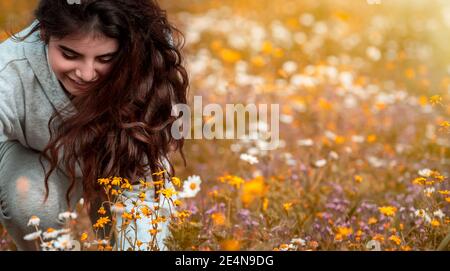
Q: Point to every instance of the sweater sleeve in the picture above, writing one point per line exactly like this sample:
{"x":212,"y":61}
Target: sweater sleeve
{"x":9,"y":118}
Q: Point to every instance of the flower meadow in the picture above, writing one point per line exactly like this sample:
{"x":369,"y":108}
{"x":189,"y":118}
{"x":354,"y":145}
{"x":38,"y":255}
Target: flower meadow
{"x":364,"y":156}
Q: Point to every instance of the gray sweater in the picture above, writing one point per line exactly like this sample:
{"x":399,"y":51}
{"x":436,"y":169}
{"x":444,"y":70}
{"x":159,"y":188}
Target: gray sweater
{"x":29,"y":91}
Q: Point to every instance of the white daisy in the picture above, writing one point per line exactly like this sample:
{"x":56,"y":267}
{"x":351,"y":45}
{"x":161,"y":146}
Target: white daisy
{"x":292,"y":247}
{"x":54,"y":233}
{"x":191,"y":187}
{"x":33,"y":236}
{"x":64,"y":242}
{"x":358,"y":139}
{"x":439,"y":214}
{"x":333,"y":155}
{"x":249,"y":158}
{"x":305,"y":142}
{"x":320,"y":163}
{"x":428,"y":191}
{"x":50,"y":234}
{"x":420,"y":212}
{"x":426,"y":172}
{"x":373,"y":245}
{"x":298,"y":241}
{"x":67,"y":215}
{"x":34,"y":221}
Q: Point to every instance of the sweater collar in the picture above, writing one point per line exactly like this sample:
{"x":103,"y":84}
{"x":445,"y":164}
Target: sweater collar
{"x":36,"y":51}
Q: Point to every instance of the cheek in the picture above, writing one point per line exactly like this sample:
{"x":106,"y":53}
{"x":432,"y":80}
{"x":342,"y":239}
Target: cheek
{"x":59,"y":65}
{"x":104,"y":69}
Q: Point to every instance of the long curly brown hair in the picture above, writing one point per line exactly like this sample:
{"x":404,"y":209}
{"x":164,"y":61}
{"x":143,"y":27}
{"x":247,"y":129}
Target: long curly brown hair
{"x":122,"y":126}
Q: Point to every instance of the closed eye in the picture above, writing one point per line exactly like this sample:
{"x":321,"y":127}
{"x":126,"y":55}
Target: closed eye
{"x":68,"y":56}
{"x":106,"y":59}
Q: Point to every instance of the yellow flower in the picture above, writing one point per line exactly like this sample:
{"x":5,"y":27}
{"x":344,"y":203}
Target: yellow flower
{"x":287,"y":206}
{"x":176,"y":181}
{"x":218,"y":219}
{"x":406,"y":248}
{"x":101,"y":222}
{"x":388,"y":210}
{"x":378,"y":237}
{"x":127,"y":215}
{"x":168,"y":193}
{"x":213,"y":194}
{"x":258,"y":61}
{"x":447,"y":199}
{"x":435,"y":99}
{"x":101,"y":211}
{"x":410,"y":73}
{"x":103,"y":181}
{"x":146,"y":211}
{"x":339,"y":140}
{"x":182,"y":215}
{"x":153,"y":231}
{"x":395,"y":239}
{"x":156,"y":183}
{"x":371,"y":138}
{"x":265,"y":204}
{"x":177,"y":202}
{"x":358,"y":179}
{"x":127,"y":185}
{"x":435,"y":223}
{"x":142,"y":196}
{"x":137,"y":216}
{"x":252,"y":189}
{"x":444,"y":192}
{"x":145,"y":184}
{"x":229,"y":55}
{"x":116,"y":181}
{"x":115,"y":192}
{"x":278,"y":53}
{"x":342,"y":232}
{"x":83,"y":237}
{"x":230,"y":245}
{"x":267,"y":47}
{"x":236,"y":181}
{"x":372,"y":220}
{"x":160,"y":173}
{"x":419,"y":181}
{"x":444,"y":125}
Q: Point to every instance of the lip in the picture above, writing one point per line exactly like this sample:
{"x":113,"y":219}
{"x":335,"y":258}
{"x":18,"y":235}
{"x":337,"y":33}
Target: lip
{"x":79,"y":85}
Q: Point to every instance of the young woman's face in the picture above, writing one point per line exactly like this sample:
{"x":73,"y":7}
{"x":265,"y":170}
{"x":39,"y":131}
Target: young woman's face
{"x":78,"y":60}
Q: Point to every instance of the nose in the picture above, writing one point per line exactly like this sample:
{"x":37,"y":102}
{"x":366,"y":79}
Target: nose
{"x":87,"y":73}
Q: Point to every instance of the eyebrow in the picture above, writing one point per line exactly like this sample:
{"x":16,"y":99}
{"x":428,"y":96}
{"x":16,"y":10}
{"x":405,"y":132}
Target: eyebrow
{"x":76,"y":53}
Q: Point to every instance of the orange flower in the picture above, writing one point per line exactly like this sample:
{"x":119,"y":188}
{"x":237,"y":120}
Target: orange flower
{"x":101,"y":211}
{"x":218,"y":219}
{"x":230,"y":245}
{"x":395,"y":239}
{"x":388,"y":210}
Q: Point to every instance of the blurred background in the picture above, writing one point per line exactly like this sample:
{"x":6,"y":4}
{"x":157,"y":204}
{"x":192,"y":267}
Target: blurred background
{"x":364,"y":89}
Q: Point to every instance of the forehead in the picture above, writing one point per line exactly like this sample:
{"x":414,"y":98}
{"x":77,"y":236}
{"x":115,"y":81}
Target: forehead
{"x":86,"y":44}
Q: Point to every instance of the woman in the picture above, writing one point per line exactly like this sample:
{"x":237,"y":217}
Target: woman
{"x":87,"y":90}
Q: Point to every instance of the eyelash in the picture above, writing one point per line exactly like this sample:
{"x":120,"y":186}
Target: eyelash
{"x":72,"y":57}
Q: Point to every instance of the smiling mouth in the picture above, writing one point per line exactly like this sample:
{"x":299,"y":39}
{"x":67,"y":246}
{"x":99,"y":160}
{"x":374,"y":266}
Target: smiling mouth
{"x":82,"y":86}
